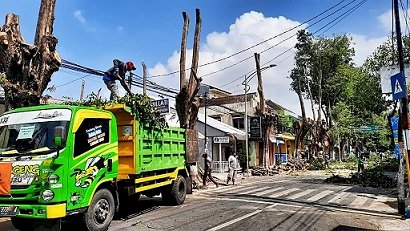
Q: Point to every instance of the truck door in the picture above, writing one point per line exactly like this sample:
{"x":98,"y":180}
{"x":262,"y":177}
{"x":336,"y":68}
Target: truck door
{"x":92,"y":157}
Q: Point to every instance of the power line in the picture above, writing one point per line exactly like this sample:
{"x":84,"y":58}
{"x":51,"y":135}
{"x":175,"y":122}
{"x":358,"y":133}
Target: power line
{"x":406,"y":16}
{"x":288,"y":38}
{"x":334,"y":22}
{"x":253,"y":46}
{"x":72,"y":81}
{"x":153,"y":87}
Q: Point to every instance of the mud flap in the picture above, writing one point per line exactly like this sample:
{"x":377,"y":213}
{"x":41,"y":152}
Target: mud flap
{"x":188,"y":180}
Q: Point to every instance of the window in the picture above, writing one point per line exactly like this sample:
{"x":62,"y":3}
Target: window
{"x":217,"y":117}
{"x":90,"y":134}
{"x":238,"y":123}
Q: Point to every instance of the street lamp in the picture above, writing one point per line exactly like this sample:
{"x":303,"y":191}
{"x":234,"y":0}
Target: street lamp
{"x":247,"y":88}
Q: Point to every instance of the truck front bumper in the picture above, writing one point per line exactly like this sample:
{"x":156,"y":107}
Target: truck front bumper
{"x":33,"y":211}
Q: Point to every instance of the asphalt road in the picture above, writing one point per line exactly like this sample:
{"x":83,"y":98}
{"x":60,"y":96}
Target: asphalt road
{"x":266,"y":203}
{"x":291,"y":203}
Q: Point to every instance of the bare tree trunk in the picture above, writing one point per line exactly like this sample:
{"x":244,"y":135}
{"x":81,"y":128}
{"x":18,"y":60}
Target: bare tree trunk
{"x":144,"y":78}
{"x":194,"y":81}
{"x":28,"y":68}
{"x":299,"y":139}
{"x":182,"y":61}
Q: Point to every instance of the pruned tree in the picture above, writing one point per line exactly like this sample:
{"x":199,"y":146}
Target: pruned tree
{"x":27,"y":69}
{"x":187,"y":102}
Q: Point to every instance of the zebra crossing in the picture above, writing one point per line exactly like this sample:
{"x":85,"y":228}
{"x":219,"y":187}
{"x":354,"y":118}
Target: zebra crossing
{"x":343,"y":196}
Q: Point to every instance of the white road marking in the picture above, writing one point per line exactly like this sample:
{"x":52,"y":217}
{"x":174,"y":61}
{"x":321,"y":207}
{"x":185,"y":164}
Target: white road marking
{"x":232,"y":188}
{"x":338,"y":198}
{"x":358,"y":202}
{"x":320,"y":195}
{"x":254,"y":190}
{"x":221,"y":226}
{"x":279,"y":194}
{"x":301,"y":194}
{"x":267,"y":191}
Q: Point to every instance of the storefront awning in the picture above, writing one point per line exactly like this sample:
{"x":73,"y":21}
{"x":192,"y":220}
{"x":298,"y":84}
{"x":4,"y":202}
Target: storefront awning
{"x":225,"y":128}
{"x":273,"y":139}
{"x":285,"y":136}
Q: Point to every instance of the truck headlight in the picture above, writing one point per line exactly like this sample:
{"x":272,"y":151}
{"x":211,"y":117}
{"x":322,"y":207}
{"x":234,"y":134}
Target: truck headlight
{"x":52,"y":179}
{"x":47,"y":195}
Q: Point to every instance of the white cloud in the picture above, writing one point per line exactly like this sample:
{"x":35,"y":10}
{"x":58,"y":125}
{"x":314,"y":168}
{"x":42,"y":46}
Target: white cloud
{"x":249,"y":29}
{"x":364,"y":46}
{"x":79,"y":16}
{"x":385,"y":20}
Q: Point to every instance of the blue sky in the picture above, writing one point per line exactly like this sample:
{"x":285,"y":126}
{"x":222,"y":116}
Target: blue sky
{"x":92,"y":33}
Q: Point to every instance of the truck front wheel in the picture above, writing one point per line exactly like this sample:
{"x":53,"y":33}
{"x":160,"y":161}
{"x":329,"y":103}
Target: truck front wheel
{"x":101,"y":211}
{"x":176,"y":193}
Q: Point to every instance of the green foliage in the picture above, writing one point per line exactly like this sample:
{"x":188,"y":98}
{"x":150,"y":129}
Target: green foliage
{"x":140,"y":105}
{"x":241,"y":154}
{"x":2,"y":78}
{"x":373,"y":176}
{"x":317,"y":164}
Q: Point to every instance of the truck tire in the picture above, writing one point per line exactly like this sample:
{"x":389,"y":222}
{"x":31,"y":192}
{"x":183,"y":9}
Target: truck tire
{"x":23,"y":224}
{"x":100,"y":213}
{"x":177,"y":192}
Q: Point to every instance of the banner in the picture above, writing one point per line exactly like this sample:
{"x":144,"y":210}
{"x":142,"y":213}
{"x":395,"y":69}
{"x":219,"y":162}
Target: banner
{"x":5,"y":178}
{"x":395,"y":127}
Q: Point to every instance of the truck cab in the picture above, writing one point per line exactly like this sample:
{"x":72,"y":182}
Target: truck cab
{"x":59,"y":160}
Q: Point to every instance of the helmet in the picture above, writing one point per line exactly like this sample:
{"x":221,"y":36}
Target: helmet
{"x":130,"y":66}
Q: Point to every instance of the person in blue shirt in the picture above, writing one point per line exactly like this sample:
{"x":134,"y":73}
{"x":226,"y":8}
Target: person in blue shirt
{"x":117,"y":72}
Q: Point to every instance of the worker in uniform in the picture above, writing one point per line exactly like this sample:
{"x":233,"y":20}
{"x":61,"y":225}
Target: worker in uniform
{"x":117,"y":72}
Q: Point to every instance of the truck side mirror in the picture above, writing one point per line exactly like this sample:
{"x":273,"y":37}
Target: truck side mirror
{"x":59,"y":135}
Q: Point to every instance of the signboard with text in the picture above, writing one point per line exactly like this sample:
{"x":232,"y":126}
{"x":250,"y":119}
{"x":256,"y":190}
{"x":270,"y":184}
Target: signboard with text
{"x":221,"y":140}
{"x":162,"y":105}
{"x":255,"y":127}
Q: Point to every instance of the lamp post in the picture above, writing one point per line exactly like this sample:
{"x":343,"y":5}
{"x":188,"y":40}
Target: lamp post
{"x":247,"y":88}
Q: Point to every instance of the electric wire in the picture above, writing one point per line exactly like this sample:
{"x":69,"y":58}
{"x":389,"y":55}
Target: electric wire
{"x":280,"y":34}
{"x":349,"y":11}
{"x":154,"y":86}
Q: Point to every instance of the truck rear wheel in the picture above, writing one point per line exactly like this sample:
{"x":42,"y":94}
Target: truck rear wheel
{"x":101,"y":211}
{"x":176,"y":194}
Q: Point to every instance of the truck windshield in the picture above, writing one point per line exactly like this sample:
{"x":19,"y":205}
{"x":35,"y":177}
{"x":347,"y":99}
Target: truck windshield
{"x":30,"y":136}
{"x":31,"y":131}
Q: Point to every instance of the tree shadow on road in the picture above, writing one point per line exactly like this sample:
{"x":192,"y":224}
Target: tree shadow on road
{"x":350,"y":228}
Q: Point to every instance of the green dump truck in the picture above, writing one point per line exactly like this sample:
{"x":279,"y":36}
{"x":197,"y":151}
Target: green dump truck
{"x":59,"y":160}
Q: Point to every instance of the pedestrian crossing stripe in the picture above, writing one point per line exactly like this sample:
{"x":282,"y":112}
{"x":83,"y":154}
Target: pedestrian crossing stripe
{"x":338,"y":196}
{"x":397,"y":87}
{"x":320,"y":195}
{"x":279,"y":194}
{"x":254,"y":190}
{"x":267,"y":191}
{"x":301,"y":194}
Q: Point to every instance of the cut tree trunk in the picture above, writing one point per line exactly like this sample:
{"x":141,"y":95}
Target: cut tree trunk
{"x":28,"y":68}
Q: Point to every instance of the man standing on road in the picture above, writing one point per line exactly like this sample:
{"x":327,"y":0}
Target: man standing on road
{"x":117,"y":72}
{"x":208,"y":170}
{"x":233,"y":165}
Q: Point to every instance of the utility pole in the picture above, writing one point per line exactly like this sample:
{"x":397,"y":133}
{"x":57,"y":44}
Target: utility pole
{"x":144,"y":78}
{"x":246,"y":126}
{"x":82,"y":90}
{"x":129,"y":81}
{"x":265,"y":136}
{"x":403,"y":125}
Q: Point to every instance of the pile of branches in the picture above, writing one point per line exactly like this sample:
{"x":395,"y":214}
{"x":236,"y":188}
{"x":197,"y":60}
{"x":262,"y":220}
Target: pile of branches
{"x":372,"y":177}
{"x":291,"y":166}
{"x":140,"y":105}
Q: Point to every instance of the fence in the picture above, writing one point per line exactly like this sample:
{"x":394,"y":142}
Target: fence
{"x":220,"y":165}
